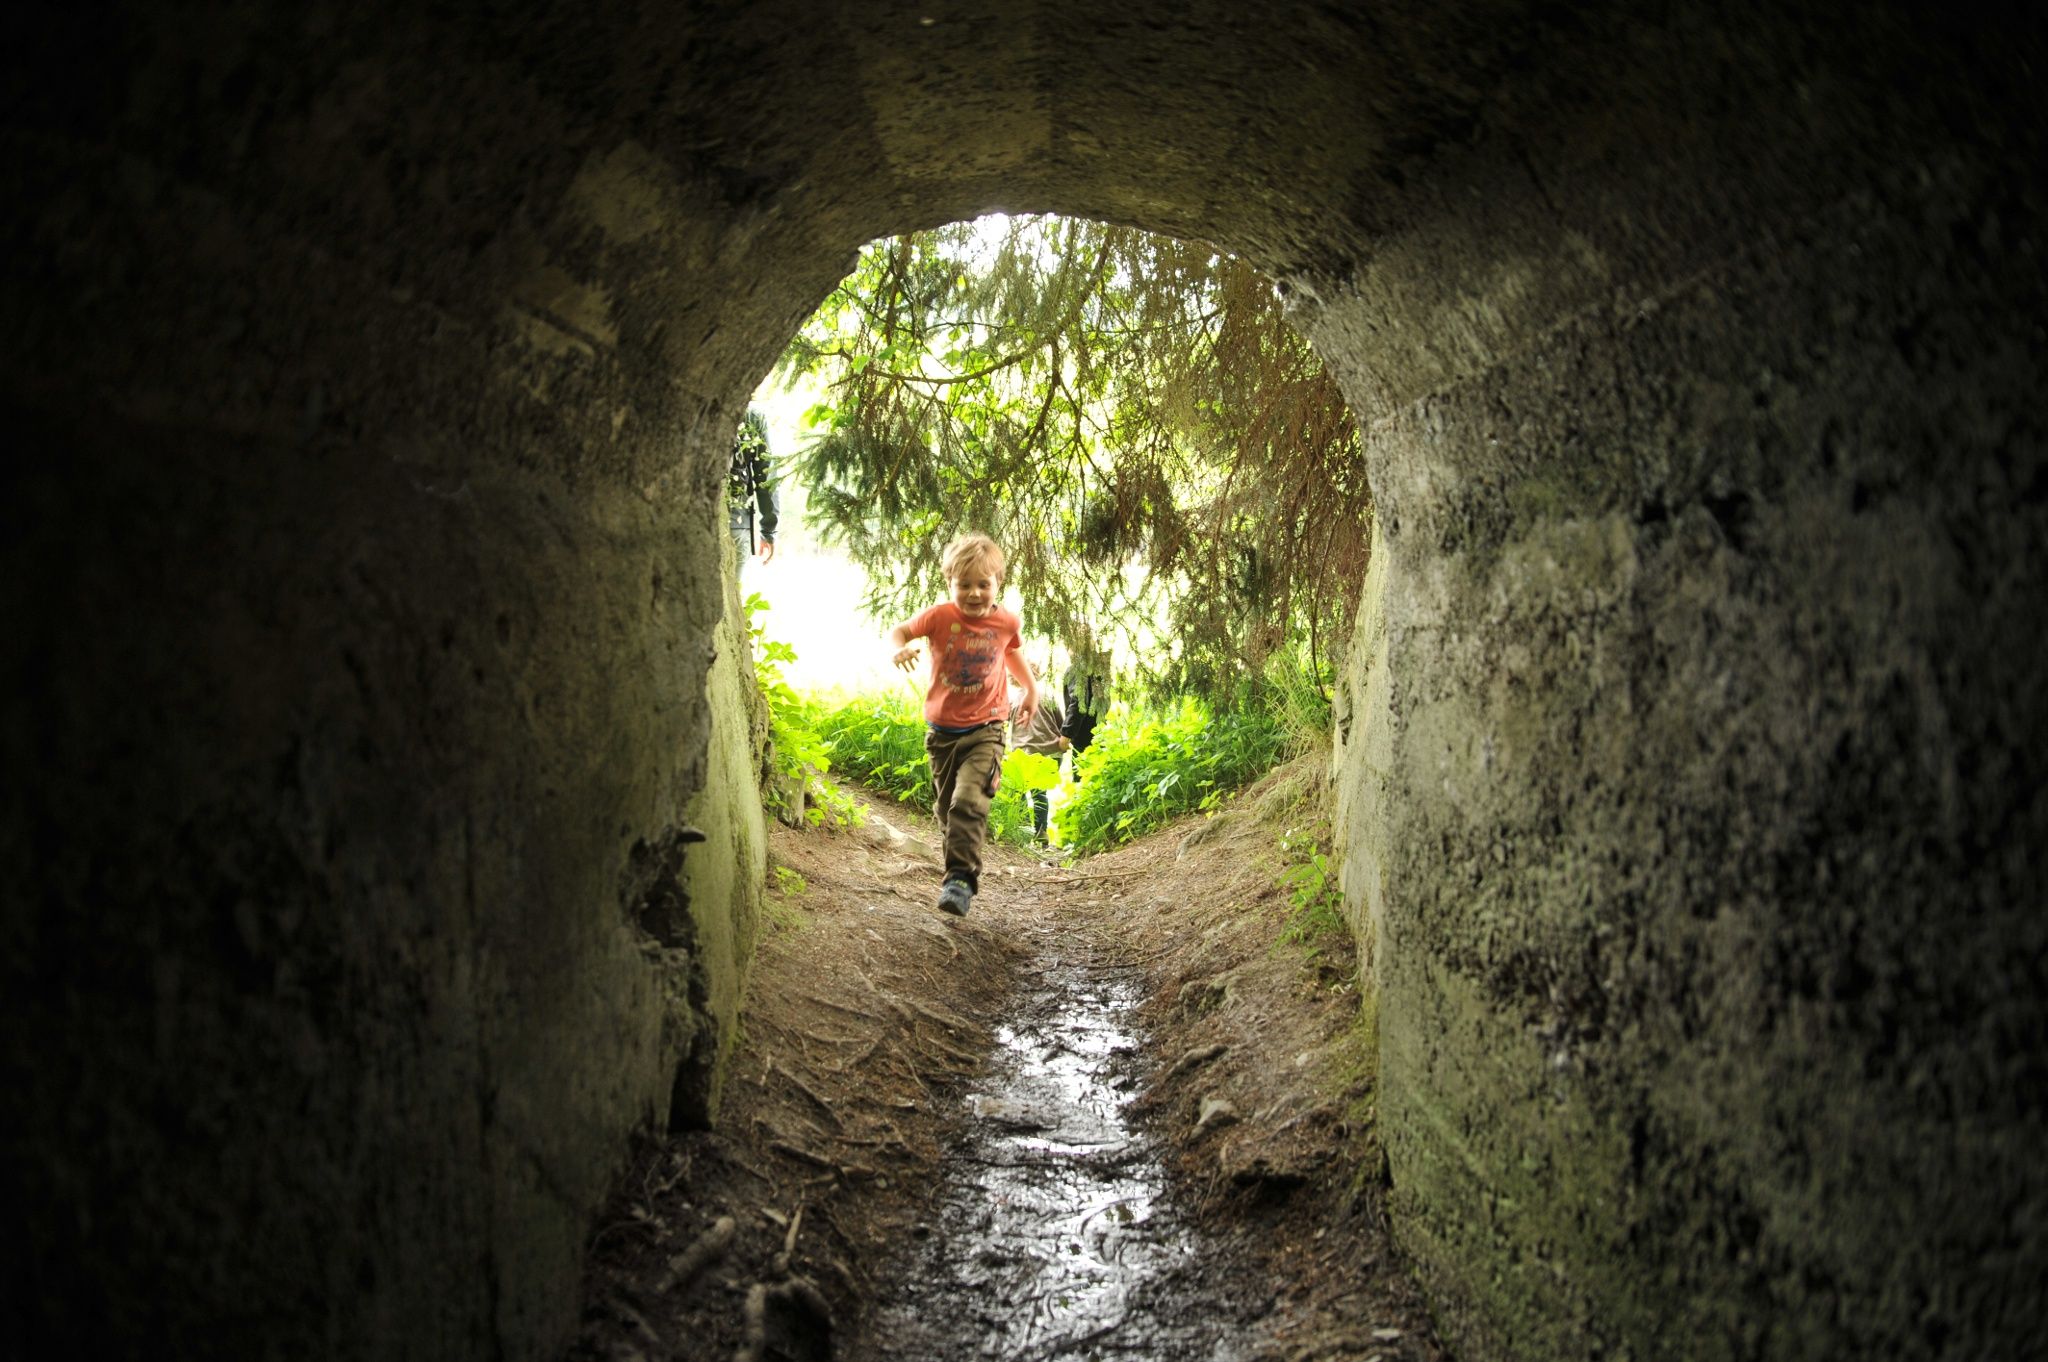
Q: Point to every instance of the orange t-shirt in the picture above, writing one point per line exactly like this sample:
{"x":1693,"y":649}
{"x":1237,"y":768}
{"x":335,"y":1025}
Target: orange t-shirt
{"x":967,"y":663}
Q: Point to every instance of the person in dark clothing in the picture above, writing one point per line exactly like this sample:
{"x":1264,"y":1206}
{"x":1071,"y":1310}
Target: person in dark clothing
{"x":751,"y":504}
{"x":1087,"y":699}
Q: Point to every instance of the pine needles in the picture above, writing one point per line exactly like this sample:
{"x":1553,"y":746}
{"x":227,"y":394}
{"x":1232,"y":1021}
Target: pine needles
{"x":1173,"y":474}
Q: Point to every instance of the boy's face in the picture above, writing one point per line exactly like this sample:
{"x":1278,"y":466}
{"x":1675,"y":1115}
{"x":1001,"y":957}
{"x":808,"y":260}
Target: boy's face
{"x":975,"y":591}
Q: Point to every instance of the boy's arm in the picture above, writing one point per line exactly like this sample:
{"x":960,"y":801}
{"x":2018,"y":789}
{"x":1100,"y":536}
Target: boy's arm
{"x":900,"y":639}
{"x":1014,"y":661}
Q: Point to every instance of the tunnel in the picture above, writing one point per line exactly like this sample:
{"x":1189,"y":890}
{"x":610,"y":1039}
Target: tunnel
{"x":377,"y":854}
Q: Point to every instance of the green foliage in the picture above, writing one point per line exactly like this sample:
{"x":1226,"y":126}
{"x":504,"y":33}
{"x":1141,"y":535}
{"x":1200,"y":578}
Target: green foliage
{"x":1098,"y":399}
{"x":1145,"y":768}
{"x":783,"y":911}
{"x":1030,"y":771}
{"x":1316,"y":914}
{"x":802,"y":753}
{"x":878,"y":740}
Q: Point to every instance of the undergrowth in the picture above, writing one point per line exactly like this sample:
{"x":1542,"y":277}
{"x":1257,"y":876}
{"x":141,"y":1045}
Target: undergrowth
{"x":1316,"y":907}
{"x":878,"y":740}
{"x":1147,"y":767}
{"x":782,"y":907}
{"x":801,"y":753}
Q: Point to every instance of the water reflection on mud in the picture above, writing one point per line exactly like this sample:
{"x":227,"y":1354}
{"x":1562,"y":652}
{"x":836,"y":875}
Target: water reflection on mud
{"x":1050,"y":1236}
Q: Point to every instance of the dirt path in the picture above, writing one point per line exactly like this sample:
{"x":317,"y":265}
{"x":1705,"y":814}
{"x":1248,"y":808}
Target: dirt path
{"x":986,"y":1137}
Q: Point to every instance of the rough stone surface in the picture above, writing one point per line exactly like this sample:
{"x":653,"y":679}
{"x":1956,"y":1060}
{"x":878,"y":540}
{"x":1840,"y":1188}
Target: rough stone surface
{"x":371,"y":369}
{"x":1691,"y":751}
{"x":724,"y":878}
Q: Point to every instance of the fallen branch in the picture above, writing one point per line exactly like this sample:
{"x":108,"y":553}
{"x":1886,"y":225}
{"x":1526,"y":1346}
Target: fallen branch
{"x":802,"y":1155}
{"x":808,"y":1091}
{"x":944,"y":1019}
{"x":706,"y":1249}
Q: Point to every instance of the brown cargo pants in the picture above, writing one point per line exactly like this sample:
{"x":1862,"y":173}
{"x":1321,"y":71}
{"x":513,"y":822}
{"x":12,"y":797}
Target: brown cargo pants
{"x":966,"y":769}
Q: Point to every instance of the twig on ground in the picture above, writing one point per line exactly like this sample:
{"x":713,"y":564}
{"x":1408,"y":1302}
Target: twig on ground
{"x":784,"y":1258}
{"x":863,"y":1057}
{"x":887,"y":1142}
{"x":736,"y":1161}
{"x":636,"y":1322}
{"x":1079,"y":1341}
{"x":911,"y":1066}
{"x":803,"y":1155}
{"x":703,"y":1251}
{"x":840,"y":1007}
{"x":946,"y":1020}
{"x":808,"y":1091}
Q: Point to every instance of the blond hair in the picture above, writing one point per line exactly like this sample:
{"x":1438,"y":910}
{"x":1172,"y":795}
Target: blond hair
{"x":972,"y":551}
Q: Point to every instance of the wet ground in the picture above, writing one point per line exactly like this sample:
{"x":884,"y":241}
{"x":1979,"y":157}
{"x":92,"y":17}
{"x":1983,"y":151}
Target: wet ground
{"x":1113,"y":1113}
{"x":1053,"y":1231}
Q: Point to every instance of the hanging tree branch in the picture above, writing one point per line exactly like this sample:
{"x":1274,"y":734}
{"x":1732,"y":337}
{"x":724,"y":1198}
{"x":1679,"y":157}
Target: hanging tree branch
{"x":1096,"y":398}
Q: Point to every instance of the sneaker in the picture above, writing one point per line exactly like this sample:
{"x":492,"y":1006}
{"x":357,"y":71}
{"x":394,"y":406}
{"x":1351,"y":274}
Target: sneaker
{"x":954,"y":896}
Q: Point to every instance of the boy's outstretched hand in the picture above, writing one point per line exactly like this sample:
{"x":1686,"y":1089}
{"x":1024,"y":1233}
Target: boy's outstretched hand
{"x":906,"y":658}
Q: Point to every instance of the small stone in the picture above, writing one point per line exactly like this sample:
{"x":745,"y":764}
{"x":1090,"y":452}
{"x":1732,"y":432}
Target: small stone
{"x":1216,"y":1111}
{"x":1194,"y":1058}
{"x":1386,"y":1335}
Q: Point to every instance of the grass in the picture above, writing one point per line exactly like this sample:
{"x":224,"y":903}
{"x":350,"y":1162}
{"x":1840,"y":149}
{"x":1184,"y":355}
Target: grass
{"x":782,"y":906}
{"x":1147,"y":767}
{"x":878,"y":740}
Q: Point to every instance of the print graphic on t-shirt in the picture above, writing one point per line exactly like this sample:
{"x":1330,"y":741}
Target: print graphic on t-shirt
{"x":971,"y":655}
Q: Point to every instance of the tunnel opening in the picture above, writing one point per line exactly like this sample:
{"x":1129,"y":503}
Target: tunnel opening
{"x":1054,"y":1224}
{"x":1176,"y":479}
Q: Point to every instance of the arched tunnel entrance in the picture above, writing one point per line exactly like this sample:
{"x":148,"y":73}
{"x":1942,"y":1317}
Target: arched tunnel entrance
{"x":371,"y":372}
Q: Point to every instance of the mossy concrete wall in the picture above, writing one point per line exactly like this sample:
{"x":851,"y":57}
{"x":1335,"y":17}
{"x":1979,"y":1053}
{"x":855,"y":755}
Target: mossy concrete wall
{"x":361,"y":591}
{"x":370,"y":372}
{"x":1692,"y":755}
{"x":724,"y":879}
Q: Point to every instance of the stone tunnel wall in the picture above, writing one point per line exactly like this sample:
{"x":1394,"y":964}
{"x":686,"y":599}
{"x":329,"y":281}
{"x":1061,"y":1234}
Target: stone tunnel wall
{"x":1691,"y":770}
{"x":360,"y":598}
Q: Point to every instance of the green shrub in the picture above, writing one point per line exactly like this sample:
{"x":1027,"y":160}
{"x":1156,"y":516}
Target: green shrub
{"x":1316,"y":912}
{"x":878,"y":740}
{"x":1145,"y":768}
{"x":801,"y":752}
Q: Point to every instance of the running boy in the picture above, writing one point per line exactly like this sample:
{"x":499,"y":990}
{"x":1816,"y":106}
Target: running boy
{"x":973,"y":641}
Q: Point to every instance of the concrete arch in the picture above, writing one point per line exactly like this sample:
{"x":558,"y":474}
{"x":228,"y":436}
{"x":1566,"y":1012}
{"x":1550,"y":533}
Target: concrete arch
{"x":376,"y":367}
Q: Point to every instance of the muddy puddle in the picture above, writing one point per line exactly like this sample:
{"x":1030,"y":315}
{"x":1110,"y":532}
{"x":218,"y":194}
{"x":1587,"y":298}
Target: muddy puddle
{"x":1051,"y":1234}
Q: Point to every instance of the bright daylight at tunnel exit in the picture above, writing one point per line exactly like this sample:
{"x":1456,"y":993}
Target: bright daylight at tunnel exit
{"x":1304,"y":683}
